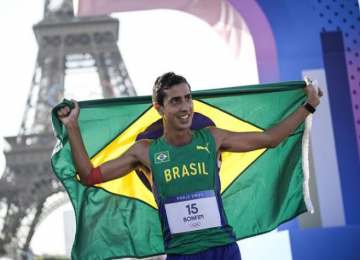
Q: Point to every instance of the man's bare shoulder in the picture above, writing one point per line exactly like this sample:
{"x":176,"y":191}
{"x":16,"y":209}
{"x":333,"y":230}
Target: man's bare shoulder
{"x":218,"y":135}
{"x":215,"y":131}
{"x":141,"y":145}
{"x":140,"y":150}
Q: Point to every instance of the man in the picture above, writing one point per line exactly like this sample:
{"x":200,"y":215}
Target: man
{"x":194,"y":155}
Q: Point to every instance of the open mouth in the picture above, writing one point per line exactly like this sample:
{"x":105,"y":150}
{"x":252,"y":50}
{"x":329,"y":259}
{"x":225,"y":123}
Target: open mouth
{"x":184,"y":117}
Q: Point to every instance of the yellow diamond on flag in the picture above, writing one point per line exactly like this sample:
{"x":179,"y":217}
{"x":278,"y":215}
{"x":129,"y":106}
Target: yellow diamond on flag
{"x":232,"y":166}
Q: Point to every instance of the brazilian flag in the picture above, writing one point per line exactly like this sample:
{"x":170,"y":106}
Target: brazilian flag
{"x":260,"y":189}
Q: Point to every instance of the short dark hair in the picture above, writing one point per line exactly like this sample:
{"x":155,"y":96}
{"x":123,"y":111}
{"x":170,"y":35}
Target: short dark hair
{"x":164,"y":82}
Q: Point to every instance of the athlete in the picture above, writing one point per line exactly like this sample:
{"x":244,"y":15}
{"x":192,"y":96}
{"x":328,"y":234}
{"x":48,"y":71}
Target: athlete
{"x":183,"y":167}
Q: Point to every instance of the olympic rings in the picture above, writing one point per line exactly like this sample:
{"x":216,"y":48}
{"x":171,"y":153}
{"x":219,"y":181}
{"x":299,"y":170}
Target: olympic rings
{"x":195,"y":225}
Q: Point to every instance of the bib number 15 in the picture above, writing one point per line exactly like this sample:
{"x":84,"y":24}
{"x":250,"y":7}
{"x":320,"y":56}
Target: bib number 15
{"x":192,"y":208}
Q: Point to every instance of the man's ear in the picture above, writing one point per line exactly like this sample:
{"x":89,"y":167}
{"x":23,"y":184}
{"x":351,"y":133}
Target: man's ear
{"x":158,"y":108}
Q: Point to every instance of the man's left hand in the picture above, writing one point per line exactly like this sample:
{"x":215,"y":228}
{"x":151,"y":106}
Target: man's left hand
{"x":313,"y":94}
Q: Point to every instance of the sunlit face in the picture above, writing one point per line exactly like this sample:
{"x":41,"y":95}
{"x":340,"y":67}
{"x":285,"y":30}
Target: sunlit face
{"x":178,"y":108}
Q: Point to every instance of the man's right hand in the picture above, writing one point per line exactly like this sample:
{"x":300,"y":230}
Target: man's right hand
{"x":67,"y":116}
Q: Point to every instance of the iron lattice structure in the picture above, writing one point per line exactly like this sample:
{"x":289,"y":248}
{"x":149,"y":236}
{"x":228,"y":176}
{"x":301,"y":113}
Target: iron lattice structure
{"x":65,"y":43}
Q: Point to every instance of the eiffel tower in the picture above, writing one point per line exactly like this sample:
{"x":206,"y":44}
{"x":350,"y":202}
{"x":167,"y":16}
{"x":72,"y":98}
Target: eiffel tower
{"x":65,"y":43}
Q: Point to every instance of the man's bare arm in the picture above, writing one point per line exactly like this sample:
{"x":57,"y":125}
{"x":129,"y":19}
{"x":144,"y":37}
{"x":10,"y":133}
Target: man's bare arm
{"x":249,"y":141}
{"x":136,"y":157}
{"x":114,"y":169}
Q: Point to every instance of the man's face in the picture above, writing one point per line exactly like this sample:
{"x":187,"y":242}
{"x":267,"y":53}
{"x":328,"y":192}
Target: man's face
{"x":178,"y":108}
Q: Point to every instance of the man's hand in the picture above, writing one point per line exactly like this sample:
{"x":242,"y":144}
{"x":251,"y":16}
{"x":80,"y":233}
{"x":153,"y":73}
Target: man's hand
{"x":313,"y":94}
{"x":69,"y":117}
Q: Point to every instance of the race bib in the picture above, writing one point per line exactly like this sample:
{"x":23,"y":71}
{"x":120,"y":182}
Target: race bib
{"x":193,"y":211}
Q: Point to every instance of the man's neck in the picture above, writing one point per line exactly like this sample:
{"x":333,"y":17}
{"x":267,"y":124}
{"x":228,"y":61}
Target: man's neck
{"x":178,"y":138}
